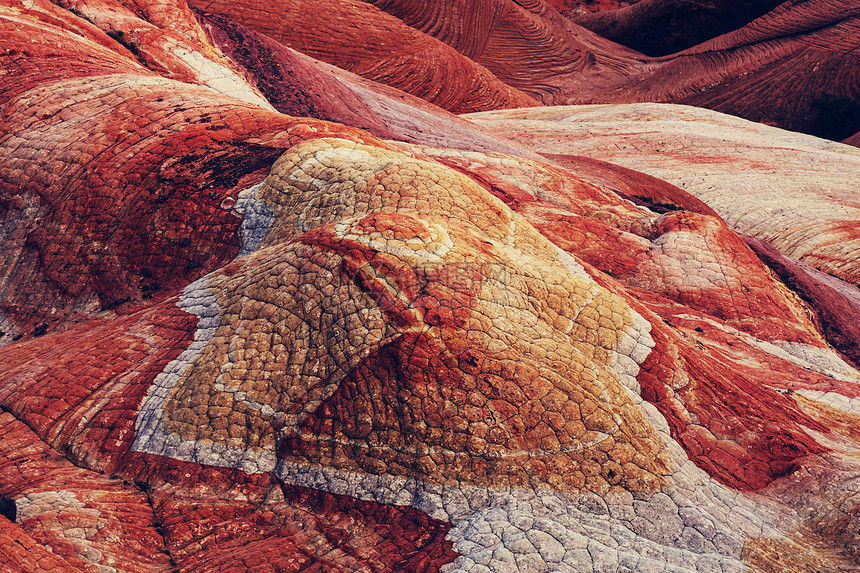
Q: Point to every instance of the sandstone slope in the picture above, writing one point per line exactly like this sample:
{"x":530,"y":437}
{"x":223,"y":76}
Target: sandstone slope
{"x":376,"y":46}
{"x":791,"y":64}
{"x":528,"y":45}
{"x":663,"y":27}
{"x":795,"y":192}
{"x":239,"y":336}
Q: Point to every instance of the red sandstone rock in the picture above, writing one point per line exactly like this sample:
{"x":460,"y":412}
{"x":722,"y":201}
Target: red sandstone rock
{"x":238,"y":339}
{"x":378,"y":47}
{"x":178,"y":151}
{"x":656,"y":194}
{"x":794,"y":191}
{"x":70,"y":518}
{"x":589,"y":5}
{"x":302,"y":86}
{"x":528,"y":45}
{"x":662,"y":27}
{"x":644,"y":258}
{"x":836,"y":303}
{"x":794,"y":66}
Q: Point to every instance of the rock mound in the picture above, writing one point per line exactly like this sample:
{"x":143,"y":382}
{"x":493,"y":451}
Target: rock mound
{"x":261,"y":313}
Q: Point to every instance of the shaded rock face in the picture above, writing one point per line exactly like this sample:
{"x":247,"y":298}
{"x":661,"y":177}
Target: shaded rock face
{"x":580,"y":6}
{"x":790,"y":64}
{"x":379,"y":47}
{"x":261,"y":313}
{"x":663,"y":27}
{"x":834,"y":301}
{"x":8,"y":509}
{"x":809,"y":45}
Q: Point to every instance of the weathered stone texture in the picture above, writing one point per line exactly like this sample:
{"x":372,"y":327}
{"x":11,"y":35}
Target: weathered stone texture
{"x":236,"y":335}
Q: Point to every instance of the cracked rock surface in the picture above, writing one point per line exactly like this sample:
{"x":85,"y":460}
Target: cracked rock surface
{"x":261,"y":313}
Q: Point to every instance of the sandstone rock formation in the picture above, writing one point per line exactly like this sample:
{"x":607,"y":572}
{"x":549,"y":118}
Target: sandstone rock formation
{"x":663,"y":27}
{"x":528,"y":45}
{"x":795,"y":67}
{"x":795,"y":191}
{"x":261,"y":313}
{"x":378,"y":47}
{"x":792,"y":64}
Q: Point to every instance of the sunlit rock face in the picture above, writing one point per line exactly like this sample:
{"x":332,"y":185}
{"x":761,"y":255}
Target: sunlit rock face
{"x":794,"y":191}
{"x":404,"y":306}
{"x":261,"y":313}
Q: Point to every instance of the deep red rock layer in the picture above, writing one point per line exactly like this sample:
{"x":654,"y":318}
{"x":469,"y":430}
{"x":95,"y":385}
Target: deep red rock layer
{"x":790,"y":64}
{"x":655,"y":194}
{"x":378,"y":47}
{"x":527,"y":45}
{"x":214,"y":519}
{"x":589,"y":5}
{"x":179,"y":152}
{"x":662,"y":27}
{"x":836,"y":303}
{"x":239,"y":339}
{"x":71,"y":518}
{"x":795,"y":67}
{"x":298,"y":85}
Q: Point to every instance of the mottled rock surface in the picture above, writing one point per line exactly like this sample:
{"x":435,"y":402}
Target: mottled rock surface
{"x":794,"y":191}
{"x":261,"y":313}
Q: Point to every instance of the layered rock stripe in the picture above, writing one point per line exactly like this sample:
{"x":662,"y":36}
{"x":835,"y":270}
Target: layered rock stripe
{"x":791,"y":64}
{"x":239,"y":339}
{"x":379,"y":47}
